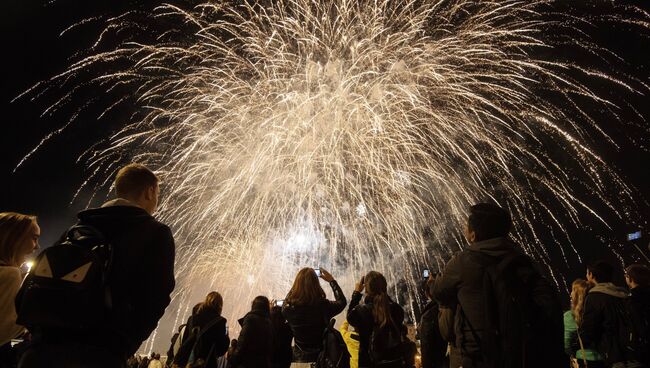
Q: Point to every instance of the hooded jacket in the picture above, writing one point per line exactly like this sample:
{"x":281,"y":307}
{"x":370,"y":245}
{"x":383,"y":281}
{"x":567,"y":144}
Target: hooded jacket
{"x":601,"y":322}
{"x":255,"y":342}
{"x":141,"y":277}
{"x":461,"y":283}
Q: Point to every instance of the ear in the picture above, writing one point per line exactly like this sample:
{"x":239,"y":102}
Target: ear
{"x":150,"y":193}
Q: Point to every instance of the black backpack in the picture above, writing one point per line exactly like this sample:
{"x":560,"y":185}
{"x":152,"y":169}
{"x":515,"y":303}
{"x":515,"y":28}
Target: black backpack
{"x":335,"y":352}
{"x":523,"y":325}
{"x":187,"y":354}
{"x":389,"y":348}
{"x":67,"y":288}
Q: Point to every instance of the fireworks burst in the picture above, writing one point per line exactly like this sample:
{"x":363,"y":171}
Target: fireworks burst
{"x":351,"y":134}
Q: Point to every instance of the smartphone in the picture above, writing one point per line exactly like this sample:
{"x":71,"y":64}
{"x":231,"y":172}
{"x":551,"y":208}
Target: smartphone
{"x":426,"y":273}
{"x":279,"y":302}
{"x":317,"y":270}
{"x":634,"y":236}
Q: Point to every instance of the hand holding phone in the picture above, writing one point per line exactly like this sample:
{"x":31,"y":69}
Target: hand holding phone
{"x":279,"y":303}
{"x":426,"y":273}
{"x":317,"y":270}
{"x":360,"y":285}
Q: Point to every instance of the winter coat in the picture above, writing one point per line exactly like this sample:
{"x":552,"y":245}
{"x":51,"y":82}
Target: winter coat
{"x":282,"y":351}
{"x":308,"y":322}
{"x":255,"y":343}
{"x":10,"y":280}
{"x":351,"y":339}
{"x":571,"y":343}
{"x":461,"y":283}
{"x":601,"y":322}
{"x":639,"y":303}
{"x":141,"y":280}
{"x":216,"y":337}
{"x":360,"y":316}
{"x":432,"y":346}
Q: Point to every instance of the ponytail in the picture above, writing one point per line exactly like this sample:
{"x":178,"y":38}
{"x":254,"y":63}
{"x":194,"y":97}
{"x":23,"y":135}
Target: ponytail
{"x":377,"y":289}
{"x":381,"y":309}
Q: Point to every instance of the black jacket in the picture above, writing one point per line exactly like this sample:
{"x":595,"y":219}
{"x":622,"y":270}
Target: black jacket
{"x":461,"y":283}
{"x":255,"y":342}
{"x":433,"y":346}
{"x":639,"y":303}
{"x":216,"y":337}
{"x":360,"y":316}
{"x":601,"y":322}
{"x":282,"y":351}
{"x":308,"y":323}
{"x":141,"y":278}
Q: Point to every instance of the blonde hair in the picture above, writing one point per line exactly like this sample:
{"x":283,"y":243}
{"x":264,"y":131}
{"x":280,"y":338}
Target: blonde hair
{"x":214,"y":301}
{"x":579,"y":290}
{"x":13,"y":229}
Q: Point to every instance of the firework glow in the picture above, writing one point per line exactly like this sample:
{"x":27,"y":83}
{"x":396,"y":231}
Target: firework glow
{"x":351,"y":135}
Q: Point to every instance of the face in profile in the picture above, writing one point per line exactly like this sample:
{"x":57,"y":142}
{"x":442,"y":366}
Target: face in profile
{"x":29,"y":243}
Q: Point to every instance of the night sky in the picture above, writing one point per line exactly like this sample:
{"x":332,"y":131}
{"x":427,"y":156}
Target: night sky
{"x":32,"y":51}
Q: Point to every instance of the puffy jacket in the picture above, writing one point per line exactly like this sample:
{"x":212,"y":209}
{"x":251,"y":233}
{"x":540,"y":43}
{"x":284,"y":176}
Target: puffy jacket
{"x":255,"y":342}
{"x":308,"y":322}
{"x":141,"y":280}
{"x":360,"y":316}
{"x":601,"y":323}
{"x":433,"y":346}
{"x":352,"y":341}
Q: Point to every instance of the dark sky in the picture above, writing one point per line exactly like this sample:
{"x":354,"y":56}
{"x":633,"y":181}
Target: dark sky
{"x":33,"y":51}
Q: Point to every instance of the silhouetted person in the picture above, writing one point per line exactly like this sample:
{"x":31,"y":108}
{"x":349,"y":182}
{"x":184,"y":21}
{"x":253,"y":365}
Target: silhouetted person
{"x":255,"y":342}
{"x":573,"y":319}
{"x":432,"y":346}
{"x":637,"y":277}
{"x":282,"y":352}
{"x":141,"y":280}
{"x":308,"y":313}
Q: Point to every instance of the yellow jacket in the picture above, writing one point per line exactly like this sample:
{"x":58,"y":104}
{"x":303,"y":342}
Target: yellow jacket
{"x":351,"y":339}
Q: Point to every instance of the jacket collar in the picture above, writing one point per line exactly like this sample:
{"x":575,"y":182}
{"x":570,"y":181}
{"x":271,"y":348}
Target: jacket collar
{"x":119,"y":202}
{"x":609,"y":289}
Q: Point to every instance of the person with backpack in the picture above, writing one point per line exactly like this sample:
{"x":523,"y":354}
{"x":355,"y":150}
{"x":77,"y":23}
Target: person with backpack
{"x":254,"y":346}
{"x":19,"y":236}
{"x":607,"y":323}
{"x":102,"y":288}
{"x":380,"y":324}
{"x":508,"y":314}
{"x":637,"y":277}
{"x":308,"y":313}
{"x":179,"y":338}
{"x":581,"y":355}
{"x":282,"y":351}
{"x":432,"y":345}
{"x":208,"y":337}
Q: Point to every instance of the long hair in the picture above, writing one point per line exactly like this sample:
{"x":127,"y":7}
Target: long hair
{"x":306,"y":289}
{"x":13,"y":229}
{"x":376,"y":287}
{"x":214,"y":301}
{"x":579,"y":290}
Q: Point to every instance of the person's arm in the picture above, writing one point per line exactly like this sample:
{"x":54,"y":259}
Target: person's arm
{"x":338,"y":304}
{"x":354,"y":316}
{"x":157,"y":280}
{"x":445,"y":287}
{"x":592,"y":321}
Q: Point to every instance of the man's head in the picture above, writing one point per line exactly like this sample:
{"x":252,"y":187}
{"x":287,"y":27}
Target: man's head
{"x":487,"y":221}
{"x":637,"y":275}
{"x":600,"y":271}
{"x":137,"y":184}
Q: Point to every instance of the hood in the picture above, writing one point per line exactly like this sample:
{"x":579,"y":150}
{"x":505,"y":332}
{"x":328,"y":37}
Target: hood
{"x":254,"y":312}
{"x":495,"y":247}
{"x":609,"y":289}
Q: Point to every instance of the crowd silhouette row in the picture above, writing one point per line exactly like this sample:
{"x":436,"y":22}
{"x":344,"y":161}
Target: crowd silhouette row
{"x":92,"y":298}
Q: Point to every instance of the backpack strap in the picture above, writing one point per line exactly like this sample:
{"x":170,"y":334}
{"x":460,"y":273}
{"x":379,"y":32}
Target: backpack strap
{"x":202,"y":332}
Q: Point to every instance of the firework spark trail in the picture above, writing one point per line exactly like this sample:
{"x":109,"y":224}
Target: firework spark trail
{"x":335,"y":132}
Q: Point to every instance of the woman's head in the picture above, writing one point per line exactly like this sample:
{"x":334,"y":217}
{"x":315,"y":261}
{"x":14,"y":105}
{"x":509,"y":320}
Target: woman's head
{"x":18,"y":237}
{"x":376,"y":287}
{"x":261,"y":303}
{"x":375,"y":283}
{"x":306,"y":289}
{"x":212,"y":301}
{"x":579,"y":290}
